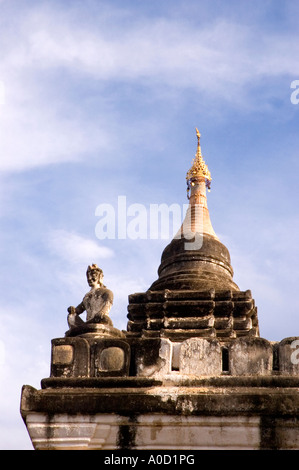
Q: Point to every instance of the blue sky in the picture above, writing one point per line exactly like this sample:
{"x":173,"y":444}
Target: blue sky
{"x":100,"y":99}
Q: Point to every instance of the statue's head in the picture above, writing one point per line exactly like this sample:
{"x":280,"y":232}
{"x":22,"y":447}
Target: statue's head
{"x":94,"y":275}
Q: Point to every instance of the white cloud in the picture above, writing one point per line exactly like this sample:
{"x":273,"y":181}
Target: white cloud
{"x":74,"y":248}
{"x":21,"y":364}
{"x":35,"y":132}
{"x":222,"y":59}
{"x":181,"y":54}
{"x":209,"y":57}
{"x":2,"y":352}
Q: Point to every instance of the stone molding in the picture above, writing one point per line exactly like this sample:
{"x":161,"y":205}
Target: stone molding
{"x":181,"y":314}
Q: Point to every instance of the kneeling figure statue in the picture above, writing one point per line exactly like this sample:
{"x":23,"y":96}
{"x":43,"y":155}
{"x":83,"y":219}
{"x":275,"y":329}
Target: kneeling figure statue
{"x":97,"y":302}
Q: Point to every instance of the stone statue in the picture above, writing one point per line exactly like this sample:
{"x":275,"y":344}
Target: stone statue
{"x":97,"y":302}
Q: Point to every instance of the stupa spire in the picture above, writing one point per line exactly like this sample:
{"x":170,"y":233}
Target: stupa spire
{"x":198,"y":179}
{"x":199,"y":170}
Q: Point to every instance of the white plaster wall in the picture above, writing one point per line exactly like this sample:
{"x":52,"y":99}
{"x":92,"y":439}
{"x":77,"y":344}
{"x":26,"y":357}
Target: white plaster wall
{"x":155,"y":431}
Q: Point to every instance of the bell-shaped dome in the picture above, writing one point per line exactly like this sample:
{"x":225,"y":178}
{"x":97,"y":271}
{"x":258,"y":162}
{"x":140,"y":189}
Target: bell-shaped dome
{"x":202,"y":269}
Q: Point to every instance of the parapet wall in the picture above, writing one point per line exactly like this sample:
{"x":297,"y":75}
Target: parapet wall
{"x":120,"y":393}
{"x":154,"y":357}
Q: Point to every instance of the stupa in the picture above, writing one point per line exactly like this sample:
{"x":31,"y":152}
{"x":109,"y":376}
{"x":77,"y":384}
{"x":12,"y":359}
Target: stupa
{"x":195,"y":295}
{"x":190,"y":372}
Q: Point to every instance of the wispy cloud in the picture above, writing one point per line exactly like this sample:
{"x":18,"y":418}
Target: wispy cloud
{"x":35,"y":132}
{"x":223,"y":51}
{"x":75,"y":248}
{"x":223,"y":59}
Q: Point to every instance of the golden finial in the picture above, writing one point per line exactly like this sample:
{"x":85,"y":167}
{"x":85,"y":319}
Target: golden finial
{"x":199,"y":167}
{"x":198,"y":139}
